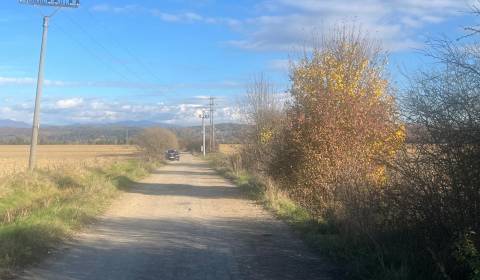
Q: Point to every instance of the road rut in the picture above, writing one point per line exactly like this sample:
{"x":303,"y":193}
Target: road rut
{"x":183,"y":222}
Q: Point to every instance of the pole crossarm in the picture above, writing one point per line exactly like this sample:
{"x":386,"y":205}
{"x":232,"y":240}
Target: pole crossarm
{"x":53,"y":3}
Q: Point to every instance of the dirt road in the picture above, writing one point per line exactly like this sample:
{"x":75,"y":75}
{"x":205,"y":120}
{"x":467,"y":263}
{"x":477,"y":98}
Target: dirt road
{"x":183,"y":222}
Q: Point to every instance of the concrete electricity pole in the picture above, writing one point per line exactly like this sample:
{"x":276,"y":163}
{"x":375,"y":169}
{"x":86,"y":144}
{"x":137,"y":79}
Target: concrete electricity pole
{"x":36,"y":115}
{"x":212,"y":124}
{"x":203,"y":116}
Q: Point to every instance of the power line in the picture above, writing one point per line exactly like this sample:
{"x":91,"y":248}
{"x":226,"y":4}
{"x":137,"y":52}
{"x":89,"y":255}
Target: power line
{"x":104,"y":48}
{"x":125,"y":49}
{"x":89,"y":51}
{"x":84,"y":47}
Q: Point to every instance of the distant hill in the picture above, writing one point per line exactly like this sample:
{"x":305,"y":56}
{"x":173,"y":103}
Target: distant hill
{"x":134,"y":124}
{"x":143,"y":123}
{"x":113,"y":133}
{"x":14,"y":124}
{"x":225,"y":133}
{"x":70,"y":134}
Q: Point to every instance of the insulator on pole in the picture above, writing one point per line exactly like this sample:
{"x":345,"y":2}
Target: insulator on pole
{"x":53,"y":3}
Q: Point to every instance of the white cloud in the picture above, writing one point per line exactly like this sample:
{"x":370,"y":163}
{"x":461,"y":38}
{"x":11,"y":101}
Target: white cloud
{"x":180,"y":17}
{"x":16,"y":81}
{"x":192,"y":17}
{"x":282,"y":65}
{"x":13,"y":113}
{"x":203,"y":97}
{"x":28,"y":81}
{"x":289,"y":25}
{"x":168,"y":17}
{"x":68,"y":103}
{"x":79,"y":110}
{"x":188,"y":107}
{"x":101,"y":8}
{"x":98,"y":105}
{"x":159,"y":88}
{"x":5,"y":110}
{"x":115,"y":9}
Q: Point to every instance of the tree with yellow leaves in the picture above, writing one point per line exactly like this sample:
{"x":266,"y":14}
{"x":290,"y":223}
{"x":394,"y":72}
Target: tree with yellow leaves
{"x":342,"y":126}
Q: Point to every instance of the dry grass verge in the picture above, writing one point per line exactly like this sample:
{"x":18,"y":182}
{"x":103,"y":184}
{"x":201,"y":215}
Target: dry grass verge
{"x":37,"y":210}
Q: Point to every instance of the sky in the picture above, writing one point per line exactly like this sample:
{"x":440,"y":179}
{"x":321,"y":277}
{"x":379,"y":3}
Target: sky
{"x":116,"y":60}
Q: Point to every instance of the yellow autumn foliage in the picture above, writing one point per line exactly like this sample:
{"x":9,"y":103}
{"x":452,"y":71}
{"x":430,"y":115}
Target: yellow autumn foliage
{"x":266,"y":136}
{"x":343,"y":124}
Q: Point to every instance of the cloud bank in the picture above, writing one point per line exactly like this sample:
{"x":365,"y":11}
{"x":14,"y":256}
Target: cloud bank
{"x":288,"y":25}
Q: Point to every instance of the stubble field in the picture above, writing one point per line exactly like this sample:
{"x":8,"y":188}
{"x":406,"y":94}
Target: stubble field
{"x":14,"y":158}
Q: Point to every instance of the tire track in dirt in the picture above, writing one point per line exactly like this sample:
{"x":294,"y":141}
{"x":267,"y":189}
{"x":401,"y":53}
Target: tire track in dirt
{"x":183,"y":222}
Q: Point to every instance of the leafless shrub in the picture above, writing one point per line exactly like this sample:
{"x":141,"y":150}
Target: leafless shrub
{"x":262,"y":107}
{"x":435,"y":191}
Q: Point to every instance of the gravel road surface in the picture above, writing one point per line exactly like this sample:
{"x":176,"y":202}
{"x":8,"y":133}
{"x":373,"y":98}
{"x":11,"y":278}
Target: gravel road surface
{"x":183,"y":222}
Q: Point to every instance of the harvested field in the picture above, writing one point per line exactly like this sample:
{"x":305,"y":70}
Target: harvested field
{"x":229,"y":149}
{"x":14,"y":158}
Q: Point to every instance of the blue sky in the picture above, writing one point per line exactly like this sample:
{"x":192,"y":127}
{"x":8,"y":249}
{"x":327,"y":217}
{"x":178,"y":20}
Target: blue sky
{"x":158,"y":60}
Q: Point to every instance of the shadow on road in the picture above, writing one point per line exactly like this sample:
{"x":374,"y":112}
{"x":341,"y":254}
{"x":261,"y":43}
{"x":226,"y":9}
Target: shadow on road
{"x":188,"y":249}
{"x":184,"y":172}
{"x":195,"y":191}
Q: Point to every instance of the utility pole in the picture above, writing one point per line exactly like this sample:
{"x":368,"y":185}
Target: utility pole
{"x":203,"y":116}
{"x":203,"y":129}
{"x":36,"y":114}
{"x":212,"y":124}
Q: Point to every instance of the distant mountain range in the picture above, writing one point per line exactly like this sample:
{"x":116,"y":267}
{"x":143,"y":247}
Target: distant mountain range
{"x":13,"y":124}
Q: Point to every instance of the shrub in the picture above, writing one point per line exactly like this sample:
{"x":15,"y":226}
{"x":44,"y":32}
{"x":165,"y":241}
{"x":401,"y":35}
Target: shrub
{"x":154,"y":141}
{"x":342,"y":127}
{"x":435,"y":192}
{"x":262,"y":108}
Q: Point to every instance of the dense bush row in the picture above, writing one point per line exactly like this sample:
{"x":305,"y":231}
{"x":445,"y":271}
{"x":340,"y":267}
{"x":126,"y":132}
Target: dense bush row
{"x":337,"y":147}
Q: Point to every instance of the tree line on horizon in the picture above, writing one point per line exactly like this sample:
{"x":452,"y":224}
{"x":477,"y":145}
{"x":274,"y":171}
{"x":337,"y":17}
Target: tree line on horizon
{"x":190,"y":137}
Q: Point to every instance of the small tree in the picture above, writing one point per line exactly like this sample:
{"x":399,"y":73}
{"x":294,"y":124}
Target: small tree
{"x":153,"y":142}
{"x":262,"y":108}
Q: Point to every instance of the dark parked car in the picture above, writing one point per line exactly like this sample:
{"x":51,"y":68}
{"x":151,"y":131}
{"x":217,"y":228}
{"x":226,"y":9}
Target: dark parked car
{"x":172,"y":155}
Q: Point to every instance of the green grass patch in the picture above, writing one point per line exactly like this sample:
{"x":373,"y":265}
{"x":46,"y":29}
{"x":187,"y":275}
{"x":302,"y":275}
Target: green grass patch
{"x":39,"y":209}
